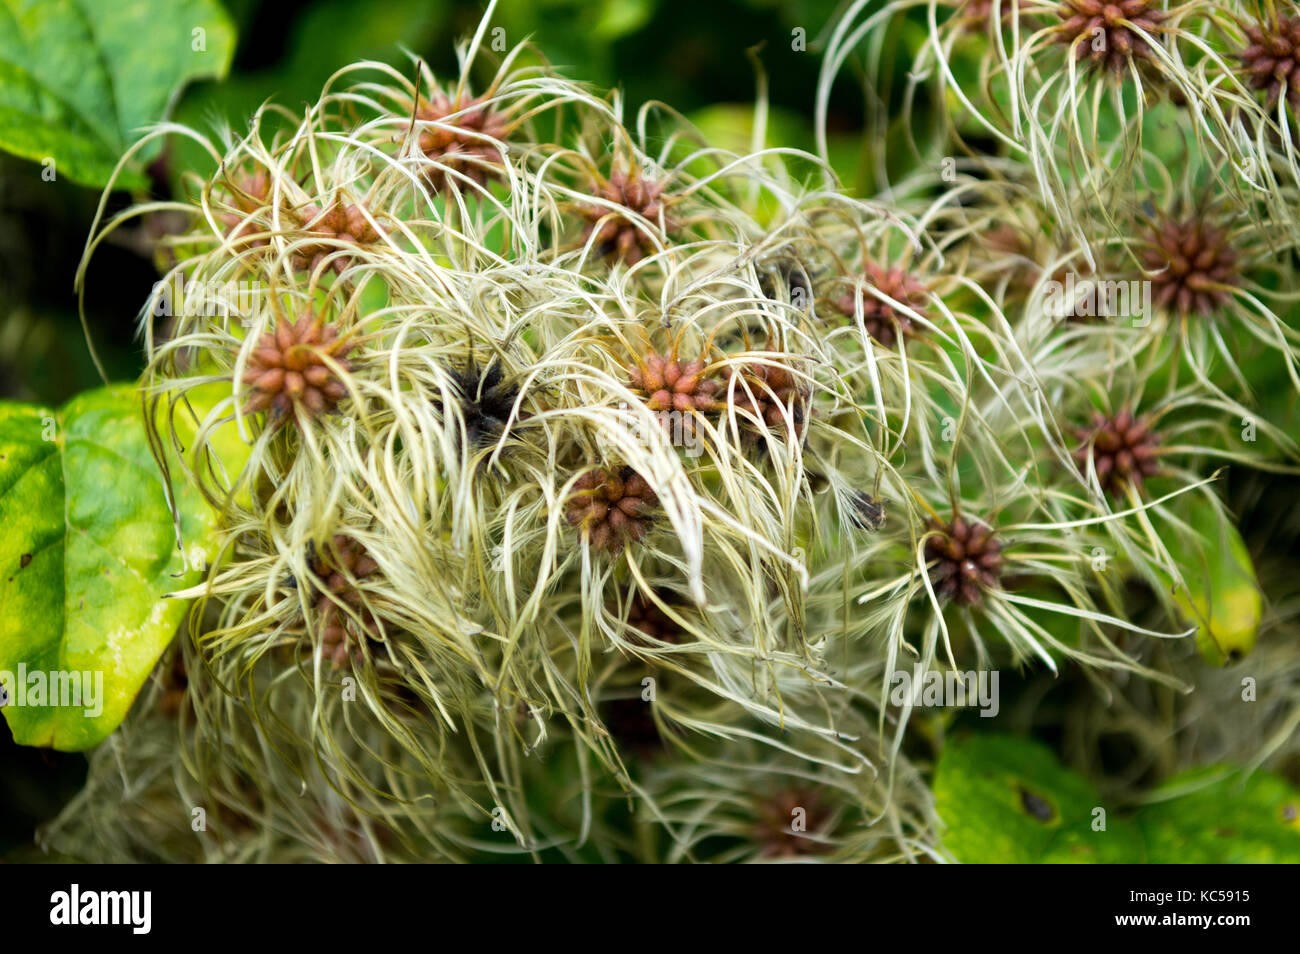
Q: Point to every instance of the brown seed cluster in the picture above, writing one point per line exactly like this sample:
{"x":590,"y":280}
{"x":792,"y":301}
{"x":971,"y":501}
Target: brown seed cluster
{"x":777,"y":817}
{"x":610,"y":508}
{"x":646,"y":617}
{"x":460,"y":147}
{"x":1106,"y":33}
{"x":1010,"y":251}
{"x":1272,"y":60}
{"x":965,"y":559}
{"x":339,"y":571}
{"x":289,"y":372}
{"x":765,"y":394}
{"x":978,"y":14}
{"x":1191,"y":266}
{"x":617,"y":236}
{"x":1124,"y":450}
{"x":670,"y":384}
{"x":883,"y":321}
{"x":339,"y":224}
{"x":248,"y":193}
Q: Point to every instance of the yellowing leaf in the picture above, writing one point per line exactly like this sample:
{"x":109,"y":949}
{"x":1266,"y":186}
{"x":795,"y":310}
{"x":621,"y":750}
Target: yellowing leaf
{"x":88,"y":555}
{"x":1221,"y":596}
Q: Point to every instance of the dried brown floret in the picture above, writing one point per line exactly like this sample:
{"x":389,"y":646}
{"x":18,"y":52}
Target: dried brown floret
{"x":290,"y":373}
{"x":1106,"y":33}
{"x":978,"y":14}
{"x":765,"y":394}
{"x":793,"y":823}
{"x":461,"y":146}
{"x":1190,"y":264}
{"x":1022,"y":255}
{"x":670,"y":384}
{"x":339,"y":570}
{"x":338,"y":224}
{"x":1124,"y":450}
{"x":866,"y":512}
{"x":610,"y":508}
{"x":247,"y":193}
{"x":883,"y":321}
{"x":1272,"y":60}
{"x":619,"y":236}
{"x":965,"y":559}
{"x":647,"y":618}
{"x":1011,"y":250}
{"x":486,"y":401}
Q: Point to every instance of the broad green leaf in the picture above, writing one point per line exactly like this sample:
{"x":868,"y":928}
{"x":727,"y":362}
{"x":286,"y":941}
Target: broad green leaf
{"x":79,"y":78}
{"x":1223,"y":820}
{"x":88,"y":555}
{"x":1007,"y":801}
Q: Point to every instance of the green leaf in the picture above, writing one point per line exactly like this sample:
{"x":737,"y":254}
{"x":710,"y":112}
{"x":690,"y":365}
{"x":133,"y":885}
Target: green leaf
{"x":88,"y":555}
{"x":1221,"y":596}
{"x":1007,"y":801}
{"x":79,"y":78}
{"x":1223,"y":820}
